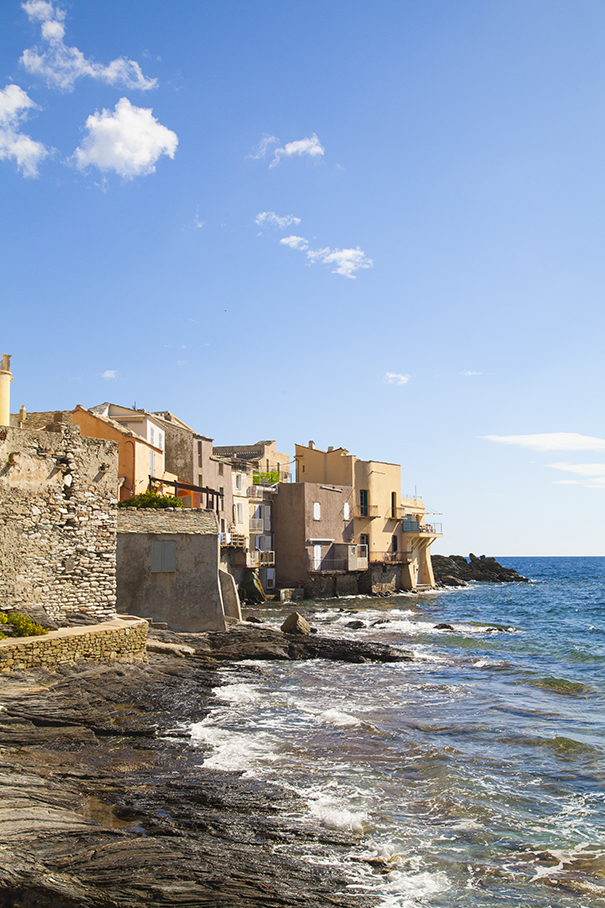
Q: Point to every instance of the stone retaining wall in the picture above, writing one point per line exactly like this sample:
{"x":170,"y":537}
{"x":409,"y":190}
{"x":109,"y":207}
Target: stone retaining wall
{"x":120,"y":640}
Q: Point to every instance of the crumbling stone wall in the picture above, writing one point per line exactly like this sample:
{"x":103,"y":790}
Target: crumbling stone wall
{"x":57,"y":523}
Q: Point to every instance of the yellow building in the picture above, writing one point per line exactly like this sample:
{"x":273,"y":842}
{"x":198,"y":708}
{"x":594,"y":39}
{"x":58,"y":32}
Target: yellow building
{"x":393,"y":528}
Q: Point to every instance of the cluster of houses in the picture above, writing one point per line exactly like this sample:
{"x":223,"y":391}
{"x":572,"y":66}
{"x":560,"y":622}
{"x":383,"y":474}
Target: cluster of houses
{"x":319,"y":524}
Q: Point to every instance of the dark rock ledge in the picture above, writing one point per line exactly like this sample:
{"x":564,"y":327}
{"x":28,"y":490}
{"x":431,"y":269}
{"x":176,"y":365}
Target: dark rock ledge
{"x":455,"y":570}
{"x":105,"y":804}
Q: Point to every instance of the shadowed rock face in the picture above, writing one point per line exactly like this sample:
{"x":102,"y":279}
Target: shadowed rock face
{"x":105,"y":803}
{"x":455,"y":570}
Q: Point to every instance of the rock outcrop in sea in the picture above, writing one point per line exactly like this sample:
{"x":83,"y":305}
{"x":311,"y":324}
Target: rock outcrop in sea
{"x":455,"y":570}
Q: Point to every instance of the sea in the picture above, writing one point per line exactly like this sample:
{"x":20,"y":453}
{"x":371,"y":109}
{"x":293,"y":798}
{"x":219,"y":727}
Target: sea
{"x":473,"y":775}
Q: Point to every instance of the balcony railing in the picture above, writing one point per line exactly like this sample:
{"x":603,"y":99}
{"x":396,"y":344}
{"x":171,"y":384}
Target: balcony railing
{"x":235,"y":539}
{"x":389,"y":557}
{"x":260,"y":559}
{"x":256,"y":524}
{"x":413,"y":526}
{"x":362,"y":511}
{"x":357,"y":560}
{"x":259,"y":491}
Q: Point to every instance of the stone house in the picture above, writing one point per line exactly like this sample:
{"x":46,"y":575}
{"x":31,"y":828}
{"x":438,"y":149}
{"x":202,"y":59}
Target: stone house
{"x":168,"y":569}
{"x":58,"y":520}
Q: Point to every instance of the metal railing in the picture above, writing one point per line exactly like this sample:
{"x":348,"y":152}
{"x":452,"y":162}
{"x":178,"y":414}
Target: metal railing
{"x":390,"y":557}
{"x":329,"y":565}
{"x":256,"y":524}
{"x":368,"y":510}
{"x":413,"y":526}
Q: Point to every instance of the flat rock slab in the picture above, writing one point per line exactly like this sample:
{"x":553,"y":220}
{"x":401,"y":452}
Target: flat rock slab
{"x":107,"y":810}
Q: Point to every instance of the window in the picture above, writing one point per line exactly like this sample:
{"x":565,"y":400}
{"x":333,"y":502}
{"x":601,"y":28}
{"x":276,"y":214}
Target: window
{"x":152,"y":463}
{"x":221,"y":469}
{"x":316,"y":557}
{"x":221,"y":495}
{"x":364,"y":539}
{"x":316,"y":510}
{"x":199,"y":454}
{"x":394,"y":506}
{"x":239,"y":513}
{"x":238,"y":481}
{"x":393,"y":543}
{"x":151,"y":435}
{"x":347,"y":510}
{"x":363,"y":502}
{"x":163,"y":557}
{"x":161,"y":440}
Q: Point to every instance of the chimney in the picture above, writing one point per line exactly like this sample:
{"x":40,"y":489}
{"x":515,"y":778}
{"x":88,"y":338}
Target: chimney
{"x":5,"y":394}
{"x":330,"y":448}
{"x":312,"y":445}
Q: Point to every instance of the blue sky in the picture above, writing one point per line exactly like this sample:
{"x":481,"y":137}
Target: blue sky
{"x":371,"y":225}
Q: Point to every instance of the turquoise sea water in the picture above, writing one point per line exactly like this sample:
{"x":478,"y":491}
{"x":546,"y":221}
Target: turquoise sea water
{"x":473,"y":776}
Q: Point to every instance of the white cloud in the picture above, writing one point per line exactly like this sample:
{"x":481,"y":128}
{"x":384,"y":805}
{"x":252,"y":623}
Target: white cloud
{"x":263,"y":147}
{"x":61,"y":65}
{"x":269,"y":217}
{"x":14,"y":107}
{"x":583,"y":469}
{"x":310,"y":146}
{"x":295,"y":242}
{"x":395,"y":378}
{"x":345,"y":261}
{"x":109,"y":374}
{"x":552,"y":441}
{"x":468,"y":372}
{"x":129,"y":141}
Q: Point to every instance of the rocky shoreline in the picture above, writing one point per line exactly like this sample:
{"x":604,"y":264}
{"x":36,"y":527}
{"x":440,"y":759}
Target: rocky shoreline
{"x":455,"y":570}
{"x":106,"y":804}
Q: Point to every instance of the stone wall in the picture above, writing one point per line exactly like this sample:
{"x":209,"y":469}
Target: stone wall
{"x":57,"y":523}
{"x":120,"y":640}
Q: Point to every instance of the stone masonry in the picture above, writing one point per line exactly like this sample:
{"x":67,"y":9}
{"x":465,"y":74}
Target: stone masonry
{"x":58,"y":523}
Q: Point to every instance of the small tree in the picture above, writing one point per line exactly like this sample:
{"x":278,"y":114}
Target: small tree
{"x":151,"y":499}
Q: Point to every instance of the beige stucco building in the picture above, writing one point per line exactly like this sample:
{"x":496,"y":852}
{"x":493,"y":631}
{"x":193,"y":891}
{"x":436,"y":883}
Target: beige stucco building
{"x":394,"y":529}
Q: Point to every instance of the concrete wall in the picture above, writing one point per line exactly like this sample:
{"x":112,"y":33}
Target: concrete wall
{"x":58,"y":523}
{"x":187,"y":596}
{"x":120,"y":640}
{"x":336,"y":466}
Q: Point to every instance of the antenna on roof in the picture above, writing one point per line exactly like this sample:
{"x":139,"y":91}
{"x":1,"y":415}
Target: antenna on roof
{"x":134,"y":406}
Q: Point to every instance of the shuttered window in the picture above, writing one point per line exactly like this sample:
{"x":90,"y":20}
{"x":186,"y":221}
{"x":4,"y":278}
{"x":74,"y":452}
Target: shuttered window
{"x":163,"y":557}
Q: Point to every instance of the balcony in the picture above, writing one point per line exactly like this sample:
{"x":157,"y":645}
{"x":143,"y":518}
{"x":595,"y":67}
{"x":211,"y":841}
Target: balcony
{"x":259,"y":491}
{"x":389,"y":558}
{"x":256,"y":525}
{"x":367,"y":511}
{"x":429,"y":529}
{"x":260,"y":559}
{"x":238,"y":540}
{"x":343,"y":558}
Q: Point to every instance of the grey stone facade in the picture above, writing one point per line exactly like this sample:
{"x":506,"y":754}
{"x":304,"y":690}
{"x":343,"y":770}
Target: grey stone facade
{"x":58,"y":523}
{"x":168,"y":568}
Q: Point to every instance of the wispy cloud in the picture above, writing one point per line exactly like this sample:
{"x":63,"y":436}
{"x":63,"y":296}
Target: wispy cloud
{"x":552,"y":441}
{"x":264,"y":147}
{"x":468,"y":372}
{"x":295,"y":242}
{"x":128,"y":141}
{"x":395,"y":378}
{"x":14,"y":107}
{"x":593,"y":474}
{"x":196,"y":221}
{"x":273,"y":219}
{"x":109,"y":374}
{"x":311,"y":146}
{"x":60,"y":66}
{"x":344,"y":261}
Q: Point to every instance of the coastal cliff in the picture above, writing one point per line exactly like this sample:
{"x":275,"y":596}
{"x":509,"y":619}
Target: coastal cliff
{"x":455,"y":570}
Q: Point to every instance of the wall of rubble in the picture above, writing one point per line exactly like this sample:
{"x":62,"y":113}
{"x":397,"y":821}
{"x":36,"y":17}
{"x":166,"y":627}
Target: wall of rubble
{"x":57,"y":523}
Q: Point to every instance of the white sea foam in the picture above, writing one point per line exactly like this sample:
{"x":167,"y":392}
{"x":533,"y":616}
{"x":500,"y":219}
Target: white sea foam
{"x":234,"y":751}
{"x":332,"y":814}
{"x":340,"y":719}
{"x":237,"y":693}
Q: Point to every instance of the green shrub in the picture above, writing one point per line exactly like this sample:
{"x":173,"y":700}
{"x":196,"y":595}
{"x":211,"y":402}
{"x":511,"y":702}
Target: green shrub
{"x":151,"y":499}
{"x":24,"y":626}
